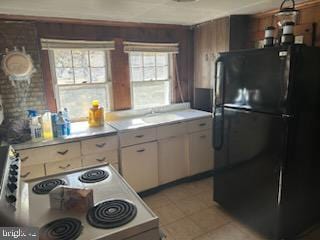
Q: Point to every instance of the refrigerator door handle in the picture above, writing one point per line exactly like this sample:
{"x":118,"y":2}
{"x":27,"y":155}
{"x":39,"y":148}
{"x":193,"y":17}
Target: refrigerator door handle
{"x":219,"y":79}
{"x":218,"y":128}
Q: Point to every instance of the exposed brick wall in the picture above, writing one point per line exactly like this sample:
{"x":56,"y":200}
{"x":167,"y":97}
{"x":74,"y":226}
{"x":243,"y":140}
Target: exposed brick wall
{"x":16,"y":100}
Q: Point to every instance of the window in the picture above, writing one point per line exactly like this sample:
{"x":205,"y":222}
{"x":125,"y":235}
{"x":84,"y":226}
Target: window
{"x":81,"y":76}
{"x":150,"y":79}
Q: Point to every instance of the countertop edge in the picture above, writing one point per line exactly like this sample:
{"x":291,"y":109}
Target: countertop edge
{"x":30,"y":145}
{"x":158,"y":124}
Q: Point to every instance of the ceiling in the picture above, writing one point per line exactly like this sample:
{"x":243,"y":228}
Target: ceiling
{"x":146,"y":11}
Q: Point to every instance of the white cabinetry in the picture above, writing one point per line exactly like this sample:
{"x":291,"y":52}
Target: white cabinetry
{"x":54,"y":159}
{"x":173,"y":163}
{"x":200,"y":151}
{"x":140,"y":165}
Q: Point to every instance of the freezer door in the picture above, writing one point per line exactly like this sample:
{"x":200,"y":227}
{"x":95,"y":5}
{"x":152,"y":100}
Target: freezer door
{"x":253,"y":79}
{"x":249,"y":152}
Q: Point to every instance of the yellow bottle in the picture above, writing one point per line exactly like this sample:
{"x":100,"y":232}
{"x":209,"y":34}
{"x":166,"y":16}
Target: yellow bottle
{"x":47,"y":125}
{"x":96,"y":115}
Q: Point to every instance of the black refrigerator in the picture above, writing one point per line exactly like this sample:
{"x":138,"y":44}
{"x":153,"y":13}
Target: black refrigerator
{"x":266,"y":138}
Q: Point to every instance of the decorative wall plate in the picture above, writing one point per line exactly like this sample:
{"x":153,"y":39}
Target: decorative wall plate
{"x":18,"y":65}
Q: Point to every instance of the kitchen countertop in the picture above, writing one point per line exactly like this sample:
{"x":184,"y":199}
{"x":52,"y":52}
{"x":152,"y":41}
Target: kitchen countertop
{"x":158,"y":119}
{"x":79,"y":131}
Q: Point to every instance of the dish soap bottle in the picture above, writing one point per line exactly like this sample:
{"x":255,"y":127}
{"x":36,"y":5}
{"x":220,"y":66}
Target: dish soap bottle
{"x":96,"y":115}
{"x":47,"y":125}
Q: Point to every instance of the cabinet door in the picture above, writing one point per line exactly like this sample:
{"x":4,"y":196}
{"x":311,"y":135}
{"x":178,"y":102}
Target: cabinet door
{"x":173,"y":162}
{"x":139,"y":164}
{"x":200,"y":152}
{"x":202,"y":57}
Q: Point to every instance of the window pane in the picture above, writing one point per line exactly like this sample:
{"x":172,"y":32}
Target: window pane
{"x":149,"y":59}
{"x":79,"y":107}
{"x":81,"y":75}
{"x":62,"y":58}
{"x":150,"y":94}
{"x":97,"y":58}
{"x":162,"y":59}
{"x":135,"y":59}
{"x":98,"y":75}
{"x":64,"y":75}
{"x":80,"y":58}
{"x":136,"y":74}
{"x":162,"y":73}
{"x":149,"y":73}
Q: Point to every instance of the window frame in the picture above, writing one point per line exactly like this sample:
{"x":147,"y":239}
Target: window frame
{"x":170,"y":77}
{"x":107,"y":84}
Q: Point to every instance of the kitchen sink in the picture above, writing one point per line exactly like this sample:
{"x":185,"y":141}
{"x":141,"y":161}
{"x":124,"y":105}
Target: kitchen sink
{"x":161,"y":118}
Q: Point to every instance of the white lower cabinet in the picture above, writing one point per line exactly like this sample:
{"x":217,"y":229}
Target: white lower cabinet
{"x":200,"y":151}
{"x":139,"y":165}
{"x":173,"y":163}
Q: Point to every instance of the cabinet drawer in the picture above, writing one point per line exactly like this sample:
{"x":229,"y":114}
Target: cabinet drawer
{"x":139,"y":166}
{"x":137,"y":136}
{"x":173,"y":130}
{"x":63,"y":152}
{"x":50,"y":154}
{"x":199,"y":125}
{"x":100,"y":158}
{"x":32,"y":171}
{"x":31,"y":156}
{"x":98,"y":145}
{"x":62,"y":166}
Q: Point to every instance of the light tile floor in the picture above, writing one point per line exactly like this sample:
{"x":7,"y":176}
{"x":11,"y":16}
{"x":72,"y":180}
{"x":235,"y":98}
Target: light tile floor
{"x":187,"y":212}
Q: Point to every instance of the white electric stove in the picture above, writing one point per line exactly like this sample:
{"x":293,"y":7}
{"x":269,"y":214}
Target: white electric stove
{"x":119,"y":213}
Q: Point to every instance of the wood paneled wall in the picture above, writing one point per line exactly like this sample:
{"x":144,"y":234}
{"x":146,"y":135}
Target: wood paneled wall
{"x":309,"y":18}
{"x":139,"y":33}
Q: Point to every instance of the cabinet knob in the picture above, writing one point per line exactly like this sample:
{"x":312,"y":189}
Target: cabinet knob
{"x":24,"y":159}
{"x":202,"y":124}
{"x":64,"y":167}
{"x":101,"y":159}
{"x":25,"y":175}
{"x":63,"y":152}
{"x":140,"y":136}
{"x":141,"y":150}
{"x":101,"y":145}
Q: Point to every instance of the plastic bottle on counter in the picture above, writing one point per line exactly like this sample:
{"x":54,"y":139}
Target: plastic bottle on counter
{"x":96,"y":115}
{"x":54,"y":119}
{"x":35,"y":125}
{"x":61,"y":125}
{"x":47,"y":125}
{"x":67,"y":120}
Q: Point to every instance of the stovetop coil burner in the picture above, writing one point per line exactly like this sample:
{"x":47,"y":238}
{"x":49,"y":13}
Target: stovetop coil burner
{"x":111,"y":213}
{"x":93,"y":176}
{"x":46,"y":186}
{"x":61,"y":229}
